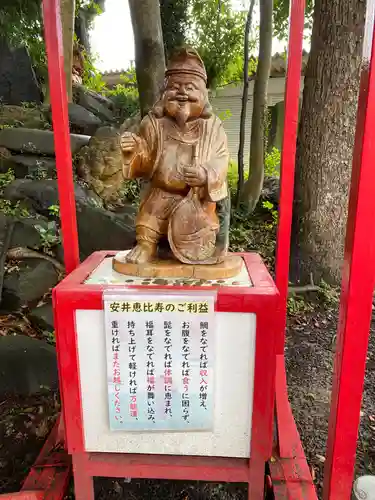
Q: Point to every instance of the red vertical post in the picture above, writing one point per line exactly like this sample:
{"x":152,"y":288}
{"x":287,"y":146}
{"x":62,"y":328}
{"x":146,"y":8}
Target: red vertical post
{"x":60,"y":120}
{"x":358,"y":279}
{"x":288,"y":158}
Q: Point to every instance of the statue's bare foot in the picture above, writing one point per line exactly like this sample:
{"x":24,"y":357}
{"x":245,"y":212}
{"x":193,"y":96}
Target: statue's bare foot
{"x":141,"y":253}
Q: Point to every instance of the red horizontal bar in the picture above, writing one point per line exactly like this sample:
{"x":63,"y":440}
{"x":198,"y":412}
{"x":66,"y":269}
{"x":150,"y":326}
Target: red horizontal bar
{"x":169,"y":467}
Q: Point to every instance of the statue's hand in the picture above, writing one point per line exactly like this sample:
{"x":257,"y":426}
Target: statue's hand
{"x":195,"y":176}
{"x":130,"y":144}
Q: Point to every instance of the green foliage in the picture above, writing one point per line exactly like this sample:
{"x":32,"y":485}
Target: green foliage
{"x":297,"y":305}
{"x":271,"y":169}
{"x":50,"y":235}
{"x":90,"y":6}
{"x":91,"y":78}
{"x":267,"y":205}
{"x":21,"y":25}
{"x":125,"y":95}
{"x":130,"y":191}
{"x":54,"y":210}
{"x":256,"y":233}
{"x":329,"y":295}
{"x":6,"y":179}
{"x":13,"y":209}
{"x":175,"y":23}
{"x":50,"y":337}
{"x":218,"y":35}
{"x":272,"y":163}
{"x":281,"y":17}
{"x":6,"y":206}
{"x":233,"y":178}
{"x":224,"y":115}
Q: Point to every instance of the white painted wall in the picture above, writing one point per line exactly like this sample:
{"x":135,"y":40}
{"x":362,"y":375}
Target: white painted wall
{"x":230,"y":98}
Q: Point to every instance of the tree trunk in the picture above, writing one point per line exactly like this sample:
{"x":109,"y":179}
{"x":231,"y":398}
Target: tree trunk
{"x":253,"y":186}
{"x":149,"y":51}
{"x":245,"y":95}
{"x":81,"y":30}
{"x":325,"y":140}
{"x":67,"y":20}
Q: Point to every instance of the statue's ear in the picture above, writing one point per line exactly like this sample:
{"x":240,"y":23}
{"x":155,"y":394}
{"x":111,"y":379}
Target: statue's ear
{"x":207,"y":111}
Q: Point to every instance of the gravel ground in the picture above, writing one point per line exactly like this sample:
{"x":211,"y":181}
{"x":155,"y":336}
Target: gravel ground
{"x":309,"y":359}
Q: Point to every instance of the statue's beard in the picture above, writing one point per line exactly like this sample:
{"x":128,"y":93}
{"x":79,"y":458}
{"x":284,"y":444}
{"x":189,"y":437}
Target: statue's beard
{"x":183,"y":113}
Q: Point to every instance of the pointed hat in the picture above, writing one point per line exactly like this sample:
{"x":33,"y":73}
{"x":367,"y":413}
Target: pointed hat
{"x":186,"y":60}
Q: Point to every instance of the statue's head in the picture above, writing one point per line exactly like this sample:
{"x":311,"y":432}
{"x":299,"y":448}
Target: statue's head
{"x":185,"y":96}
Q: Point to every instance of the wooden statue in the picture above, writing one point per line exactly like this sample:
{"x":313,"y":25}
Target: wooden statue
{"x":181,"y":149}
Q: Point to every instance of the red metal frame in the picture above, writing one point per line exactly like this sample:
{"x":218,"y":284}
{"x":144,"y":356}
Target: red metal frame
{"x":288,"y":158}
{"x":358,"y":280}
{"x":50,"y":475}
{"x":290,"y":476}
{"x":60,"y":119}
{"x":71,"y":294}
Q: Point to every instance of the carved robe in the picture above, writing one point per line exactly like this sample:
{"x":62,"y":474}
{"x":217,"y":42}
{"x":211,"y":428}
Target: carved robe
{"x":162,"y":153}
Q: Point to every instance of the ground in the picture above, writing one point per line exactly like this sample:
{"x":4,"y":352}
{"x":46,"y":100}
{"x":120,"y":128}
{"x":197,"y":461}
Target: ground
{"x":309,"y":359}
{"x":312,"y":324}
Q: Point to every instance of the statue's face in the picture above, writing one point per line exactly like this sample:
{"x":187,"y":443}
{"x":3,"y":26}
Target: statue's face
{"x":185,"y":97}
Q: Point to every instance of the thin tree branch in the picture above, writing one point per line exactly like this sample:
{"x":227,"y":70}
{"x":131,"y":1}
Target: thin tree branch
{"x":245,"y":95}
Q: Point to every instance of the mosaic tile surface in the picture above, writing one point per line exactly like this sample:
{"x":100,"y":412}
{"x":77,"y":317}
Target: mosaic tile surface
{"x":104,"y":274}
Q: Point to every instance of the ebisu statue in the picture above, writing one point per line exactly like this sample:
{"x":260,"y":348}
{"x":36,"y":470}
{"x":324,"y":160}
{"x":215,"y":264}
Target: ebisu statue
{"x":181,"y":149}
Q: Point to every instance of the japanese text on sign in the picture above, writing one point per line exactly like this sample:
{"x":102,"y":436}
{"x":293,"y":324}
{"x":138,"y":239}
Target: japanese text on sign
{"x":158,"y":307}
{"x":160,"y":360}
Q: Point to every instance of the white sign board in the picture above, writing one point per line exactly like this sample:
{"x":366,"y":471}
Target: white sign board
{"x":160,"y":360}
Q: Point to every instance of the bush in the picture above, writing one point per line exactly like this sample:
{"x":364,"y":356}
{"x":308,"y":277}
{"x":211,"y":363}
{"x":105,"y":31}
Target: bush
{"x":91,"y":78}
{"x":272,"y":163}
{"x":125,"y":96}
{"x":233,"y":178}
{"x":271,"y":169}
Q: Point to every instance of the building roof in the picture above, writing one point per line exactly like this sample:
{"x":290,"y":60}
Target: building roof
{"x":278,"y":64}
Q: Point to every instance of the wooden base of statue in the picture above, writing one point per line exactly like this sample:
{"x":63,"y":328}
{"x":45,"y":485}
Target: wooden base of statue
{"x":230,"y":267}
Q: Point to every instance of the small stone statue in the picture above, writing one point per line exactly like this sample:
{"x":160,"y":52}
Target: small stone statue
{"x":181,"y":149}
{"x":100,"y":165}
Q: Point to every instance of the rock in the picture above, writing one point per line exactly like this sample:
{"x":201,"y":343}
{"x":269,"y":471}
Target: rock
{"x":20,"y":116}
{"x":6,"y":231}
{"x":98,"y":228}
{"x":82,"y":121}
{"x":271,"y":188}
{"x":41,"y":195}
{"x":364,"y":488}
{"x":87,"y":100}
{"x":27,"y":366}
{"x":100,"y":164}
{"x":26,"y":234}
{"x":27,"y":284}
{"x":33,"y":166}
{"x":18,"y":82}
{"x":42,"y":317}
{"x":34,"y":141}
{"x":77,"y":89}
{"x":6,"y":161}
